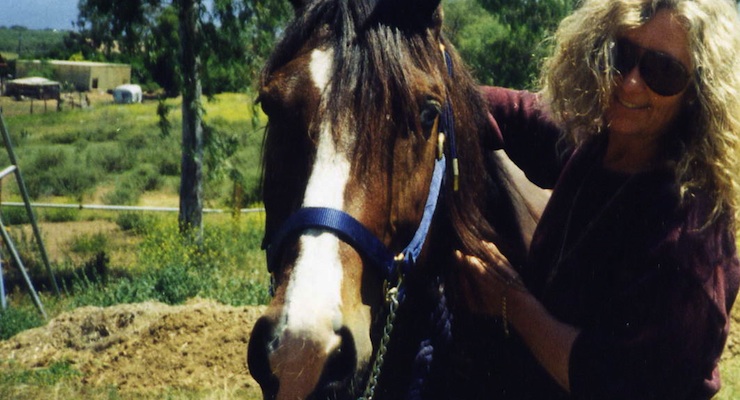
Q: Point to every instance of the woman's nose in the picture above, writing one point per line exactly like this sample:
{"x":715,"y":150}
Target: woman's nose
{"x":632,"y":80}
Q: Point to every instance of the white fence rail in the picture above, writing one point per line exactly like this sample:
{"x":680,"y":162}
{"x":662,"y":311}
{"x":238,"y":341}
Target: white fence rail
{"x":123,"y":208}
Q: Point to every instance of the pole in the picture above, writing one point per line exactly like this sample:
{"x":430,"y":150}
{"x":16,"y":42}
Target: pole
{"x":3,"y":301}
{"x":27,"y":202}
{"x":17,"y":259}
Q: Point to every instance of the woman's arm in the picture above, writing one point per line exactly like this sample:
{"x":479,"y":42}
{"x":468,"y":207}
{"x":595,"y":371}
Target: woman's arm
{"x":497,"y":291}
{"x":549,"y":340}
{"x":523,"y":128}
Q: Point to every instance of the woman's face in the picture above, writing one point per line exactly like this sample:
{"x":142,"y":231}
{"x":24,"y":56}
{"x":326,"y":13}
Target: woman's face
{"x":637,"y":112}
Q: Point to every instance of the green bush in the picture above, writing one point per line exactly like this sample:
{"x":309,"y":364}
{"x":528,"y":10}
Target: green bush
{"x":89,"y":243}
{"x":110,"y":157}
{"x":60,"y":215}
{"x":176,"y":283}
{"x":66,"y":137}
{"x":227,"y":266}
{"x":50,"y":376}
{"x":13,"y":215}
{"x":136,"y":222}
{"x":14,"y":320}
{"x":132,"y":184}
{"x":147,"y":177}
{"x":123,"y":194}
{"x":57,"y":171}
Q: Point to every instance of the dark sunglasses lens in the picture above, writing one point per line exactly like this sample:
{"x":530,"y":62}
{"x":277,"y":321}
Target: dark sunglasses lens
{"x":626,"y":57}
{"x":664,"y":75}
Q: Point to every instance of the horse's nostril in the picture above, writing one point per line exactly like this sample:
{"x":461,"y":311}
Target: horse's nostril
{"x":342,"y":362}
{"x":260,"y":343}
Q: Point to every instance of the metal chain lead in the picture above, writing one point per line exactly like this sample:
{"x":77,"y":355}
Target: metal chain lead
{"x":391,"y":297}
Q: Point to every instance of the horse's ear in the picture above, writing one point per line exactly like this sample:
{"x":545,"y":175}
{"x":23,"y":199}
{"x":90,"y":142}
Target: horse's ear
{"x":299,"y":4}
{"x":426,"y":9}
{"x":413,"y":12}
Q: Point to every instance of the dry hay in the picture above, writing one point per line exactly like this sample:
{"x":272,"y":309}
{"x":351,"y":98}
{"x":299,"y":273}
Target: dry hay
{"x":145,"y":347}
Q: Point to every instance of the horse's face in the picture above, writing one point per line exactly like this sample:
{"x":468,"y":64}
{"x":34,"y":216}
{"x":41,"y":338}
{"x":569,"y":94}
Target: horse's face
{"x":348,"y":132}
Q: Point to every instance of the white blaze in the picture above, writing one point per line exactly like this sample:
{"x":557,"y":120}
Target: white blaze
{"x":314,"y":292}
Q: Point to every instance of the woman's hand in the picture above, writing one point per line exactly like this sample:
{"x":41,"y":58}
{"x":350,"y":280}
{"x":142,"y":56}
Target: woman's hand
{"x":492,"y":287}
{"x":486,"y":282}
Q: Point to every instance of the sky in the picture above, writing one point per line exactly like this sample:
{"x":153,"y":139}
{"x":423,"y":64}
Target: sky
{"x":42,"y":14}
{"x":39,"y":14}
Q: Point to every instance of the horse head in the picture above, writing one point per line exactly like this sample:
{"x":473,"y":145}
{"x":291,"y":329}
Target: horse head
{"x":355,"y":93}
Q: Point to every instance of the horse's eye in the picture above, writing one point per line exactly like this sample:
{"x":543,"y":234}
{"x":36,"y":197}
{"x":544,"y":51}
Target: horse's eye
{"x":429,"y":114}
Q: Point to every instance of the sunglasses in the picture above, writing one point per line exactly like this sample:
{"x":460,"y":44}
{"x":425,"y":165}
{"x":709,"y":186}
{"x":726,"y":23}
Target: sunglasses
{"x":662,"y":73}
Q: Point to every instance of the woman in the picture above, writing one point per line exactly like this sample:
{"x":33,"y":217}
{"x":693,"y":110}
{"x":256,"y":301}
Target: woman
{"x":633,"y":268}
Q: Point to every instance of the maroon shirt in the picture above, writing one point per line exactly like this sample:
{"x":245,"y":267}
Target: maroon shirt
{"x":617,"y":256}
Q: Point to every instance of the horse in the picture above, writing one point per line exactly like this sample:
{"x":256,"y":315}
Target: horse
{"x":377,"y":166}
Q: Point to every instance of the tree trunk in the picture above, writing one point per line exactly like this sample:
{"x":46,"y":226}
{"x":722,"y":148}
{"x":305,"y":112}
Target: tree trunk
{"x":191,"y":187}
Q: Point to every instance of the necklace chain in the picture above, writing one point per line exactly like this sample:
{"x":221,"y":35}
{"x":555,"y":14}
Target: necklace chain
{"x":562,"y":255}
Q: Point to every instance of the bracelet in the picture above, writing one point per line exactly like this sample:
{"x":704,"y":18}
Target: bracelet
{"x":504,"y":316}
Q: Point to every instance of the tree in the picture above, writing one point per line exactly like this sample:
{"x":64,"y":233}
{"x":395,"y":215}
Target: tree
{"x":171,"y":40}
{"x":237,"y":36}
{"x":503,"y":41}
{"x":191,"y":187}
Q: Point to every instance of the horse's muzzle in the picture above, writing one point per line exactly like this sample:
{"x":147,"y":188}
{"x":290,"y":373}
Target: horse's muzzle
{"x":290,"y":365}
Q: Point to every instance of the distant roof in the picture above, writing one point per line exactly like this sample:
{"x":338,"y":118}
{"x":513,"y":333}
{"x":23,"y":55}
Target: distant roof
{"x":78,"y":63}
{"x":35,"y":80}
{"x":128,"y":86}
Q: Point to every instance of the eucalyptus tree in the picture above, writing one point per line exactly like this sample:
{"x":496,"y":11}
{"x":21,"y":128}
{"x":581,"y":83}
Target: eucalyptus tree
{"x":187,"y":45}
{"x":504,"y":41}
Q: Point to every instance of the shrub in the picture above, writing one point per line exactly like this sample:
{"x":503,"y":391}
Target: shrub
{"x":133,"y":183}
{"x":13,"y":215}
{"x":14,"y":320}
{"x":89,"y":243}
{"x":122,"y":195}
{"x":57,"y":171}
{"x":147,"y":177}
{"x":60,"y":215}
{"x":176,"y":283}
{"x":133,"y":221}
{"x":111,"y":157}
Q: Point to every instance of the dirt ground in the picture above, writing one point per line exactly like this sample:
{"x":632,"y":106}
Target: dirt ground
{"x":146,"y":347}
{"x":151,"y":347}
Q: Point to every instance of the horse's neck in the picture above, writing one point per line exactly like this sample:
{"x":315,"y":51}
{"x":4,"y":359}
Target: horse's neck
{"x":528,"y":199}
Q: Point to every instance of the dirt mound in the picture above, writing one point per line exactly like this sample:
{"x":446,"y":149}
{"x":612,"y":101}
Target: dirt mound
{"x":150,"y":347}
{"x":145,"y":346}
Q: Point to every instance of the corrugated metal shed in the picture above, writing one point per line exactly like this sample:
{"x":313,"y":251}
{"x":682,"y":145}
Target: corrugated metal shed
{"x":35,"y":87}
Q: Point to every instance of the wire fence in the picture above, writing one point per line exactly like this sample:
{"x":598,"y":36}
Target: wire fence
{"x":124,"y":208}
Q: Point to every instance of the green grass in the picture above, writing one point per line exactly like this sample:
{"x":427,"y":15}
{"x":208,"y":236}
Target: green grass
{"x":227,"y":266}
{"x":72,"y":153}
{"x":68,"y":156}
{"x":730,"y":372}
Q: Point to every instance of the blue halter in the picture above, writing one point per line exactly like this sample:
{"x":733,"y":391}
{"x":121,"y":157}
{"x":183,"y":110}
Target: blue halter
{"x":351,"y":231}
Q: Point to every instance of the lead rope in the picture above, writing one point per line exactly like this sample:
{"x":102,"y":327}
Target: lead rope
{"x":440,"y":321}
{"x":392,"y":299}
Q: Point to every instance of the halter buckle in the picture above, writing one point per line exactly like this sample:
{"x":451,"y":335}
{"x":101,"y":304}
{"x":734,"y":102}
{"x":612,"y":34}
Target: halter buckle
{"x":440,"y":145}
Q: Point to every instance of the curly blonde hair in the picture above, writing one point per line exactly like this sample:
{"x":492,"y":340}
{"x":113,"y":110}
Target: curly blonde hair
{"x":577,"y":83}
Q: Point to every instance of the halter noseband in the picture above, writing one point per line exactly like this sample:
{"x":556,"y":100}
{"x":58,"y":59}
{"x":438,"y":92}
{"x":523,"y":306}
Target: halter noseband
{"x":351,"y":231}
